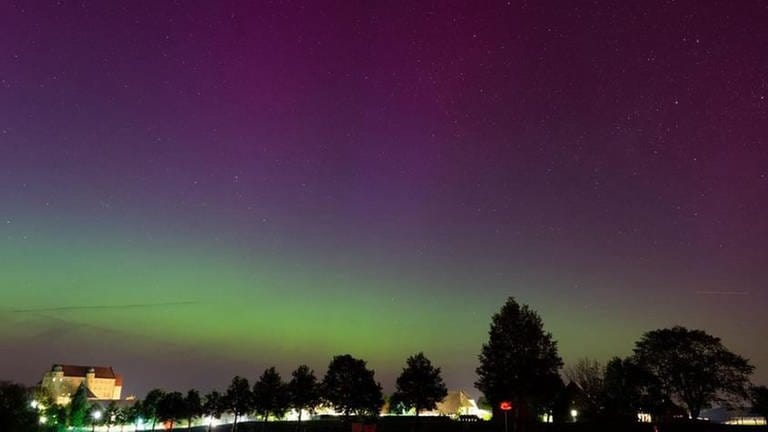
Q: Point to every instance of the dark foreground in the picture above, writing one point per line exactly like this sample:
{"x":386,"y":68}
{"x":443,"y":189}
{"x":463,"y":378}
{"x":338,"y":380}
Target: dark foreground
{"x":401,"y":424}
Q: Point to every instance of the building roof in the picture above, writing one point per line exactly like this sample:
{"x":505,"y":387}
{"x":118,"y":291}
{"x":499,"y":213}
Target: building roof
{"x":91,"y":395}
{"x":454,"y":401}
{"x":81,"y":371}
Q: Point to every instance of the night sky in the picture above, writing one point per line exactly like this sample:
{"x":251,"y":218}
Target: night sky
{"x":195,"y":190}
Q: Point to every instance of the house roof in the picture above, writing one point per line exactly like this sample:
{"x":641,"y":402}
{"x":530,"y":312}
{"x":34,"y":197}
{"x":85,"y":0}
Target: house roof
{"x":81,"y":371}
{"x":454,"y":401}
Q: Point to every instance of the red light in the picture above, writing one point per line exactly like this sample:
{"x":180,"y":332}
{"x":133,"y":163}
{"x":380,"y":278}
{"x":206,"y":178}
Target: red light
{"x":505,"y":405}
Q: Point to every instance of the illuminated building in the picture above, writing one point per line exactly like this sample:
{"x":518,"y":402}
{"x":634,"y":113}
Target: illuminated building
{"x":102,"y":383}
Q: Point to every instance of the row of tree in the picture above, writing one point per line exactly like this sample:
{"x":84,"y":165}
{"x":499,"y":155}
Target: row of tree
{"x":348,"y":386}
{"x":520,"y":364}
{"x":669,"y":369}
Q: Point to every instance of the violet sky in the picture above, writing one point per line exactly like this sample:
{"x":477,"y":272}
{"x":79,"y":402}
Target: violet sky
{"x":254,"y":183}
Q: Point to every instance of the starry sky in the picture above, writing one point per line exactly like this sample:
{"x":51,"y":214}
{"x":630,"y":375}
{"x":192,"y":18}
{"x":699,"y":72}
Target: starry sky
{"x":194,"y":190}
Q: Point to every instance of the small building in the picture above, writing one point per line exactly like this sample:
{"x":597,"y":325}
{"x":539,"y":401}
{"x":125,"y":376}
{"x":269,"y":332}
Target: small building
{"x":102,"y":382}
{"x":458,"y":403}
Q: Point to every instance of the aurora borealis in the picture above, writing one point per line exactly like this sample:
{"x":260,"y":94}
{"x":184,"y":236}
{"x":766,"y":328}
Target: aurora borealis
{"x":195,"y":190}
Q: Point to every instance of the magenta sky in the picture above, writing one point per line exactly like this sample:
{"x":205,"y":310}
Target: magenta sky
{"x":605,"y":163}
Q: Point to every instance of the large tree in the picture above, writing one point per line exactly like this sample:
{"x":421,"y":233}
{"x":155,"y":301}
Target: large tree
{"x":238,"y":400}
{"x":350,"y":387}
{"x":692,"y":367}
{"x":270,"y":395}
{"x":420,"y":385}
{"x":303,"y":390}
{"x":520,"y":362}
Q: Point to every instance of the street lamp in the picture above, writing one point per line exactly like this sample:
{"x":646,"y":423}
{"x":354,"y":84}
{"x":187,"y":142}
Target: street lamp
{"x":96,"y":416}
{"x":574,"y":414}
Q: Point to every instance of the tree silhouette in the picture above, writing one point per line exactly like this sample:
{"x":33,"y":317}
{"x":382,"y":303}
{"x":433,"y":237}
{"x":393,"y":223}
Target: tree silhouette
{"x":193,"y":407}
{"x":149,"y":405}
{"x":420,"y":385}
{"x":270,"y":395}
{"x":171,"y":408}
{"x":520,"y":362}
{"x":16,"y":414}
{"x":350,"y":387}
{"x":303,"y":390}
{"x":692,"y":367}
{"x":238,"y":399}
{"x":213,"y":406}
{"x":759,"y":399}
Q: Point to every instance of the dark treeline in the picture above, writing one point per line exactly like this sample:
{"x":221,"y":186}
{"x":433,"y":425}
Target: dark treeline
{"x":671,"y":376}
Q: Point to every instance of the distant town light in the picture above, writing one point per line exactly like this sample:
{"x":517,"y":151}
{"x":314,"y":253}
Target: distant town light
{"x":96,"y":415}
{"x":574,"y":414}
{"x":34,"y":404}
{"x":43,"y":419}
{"x":643,"y":417}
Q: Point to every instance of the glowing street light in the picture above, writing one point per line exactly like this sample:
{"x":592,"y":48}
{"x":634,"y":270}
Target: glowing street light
{"x":96,"y":416}
{"x":574,"y":414}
